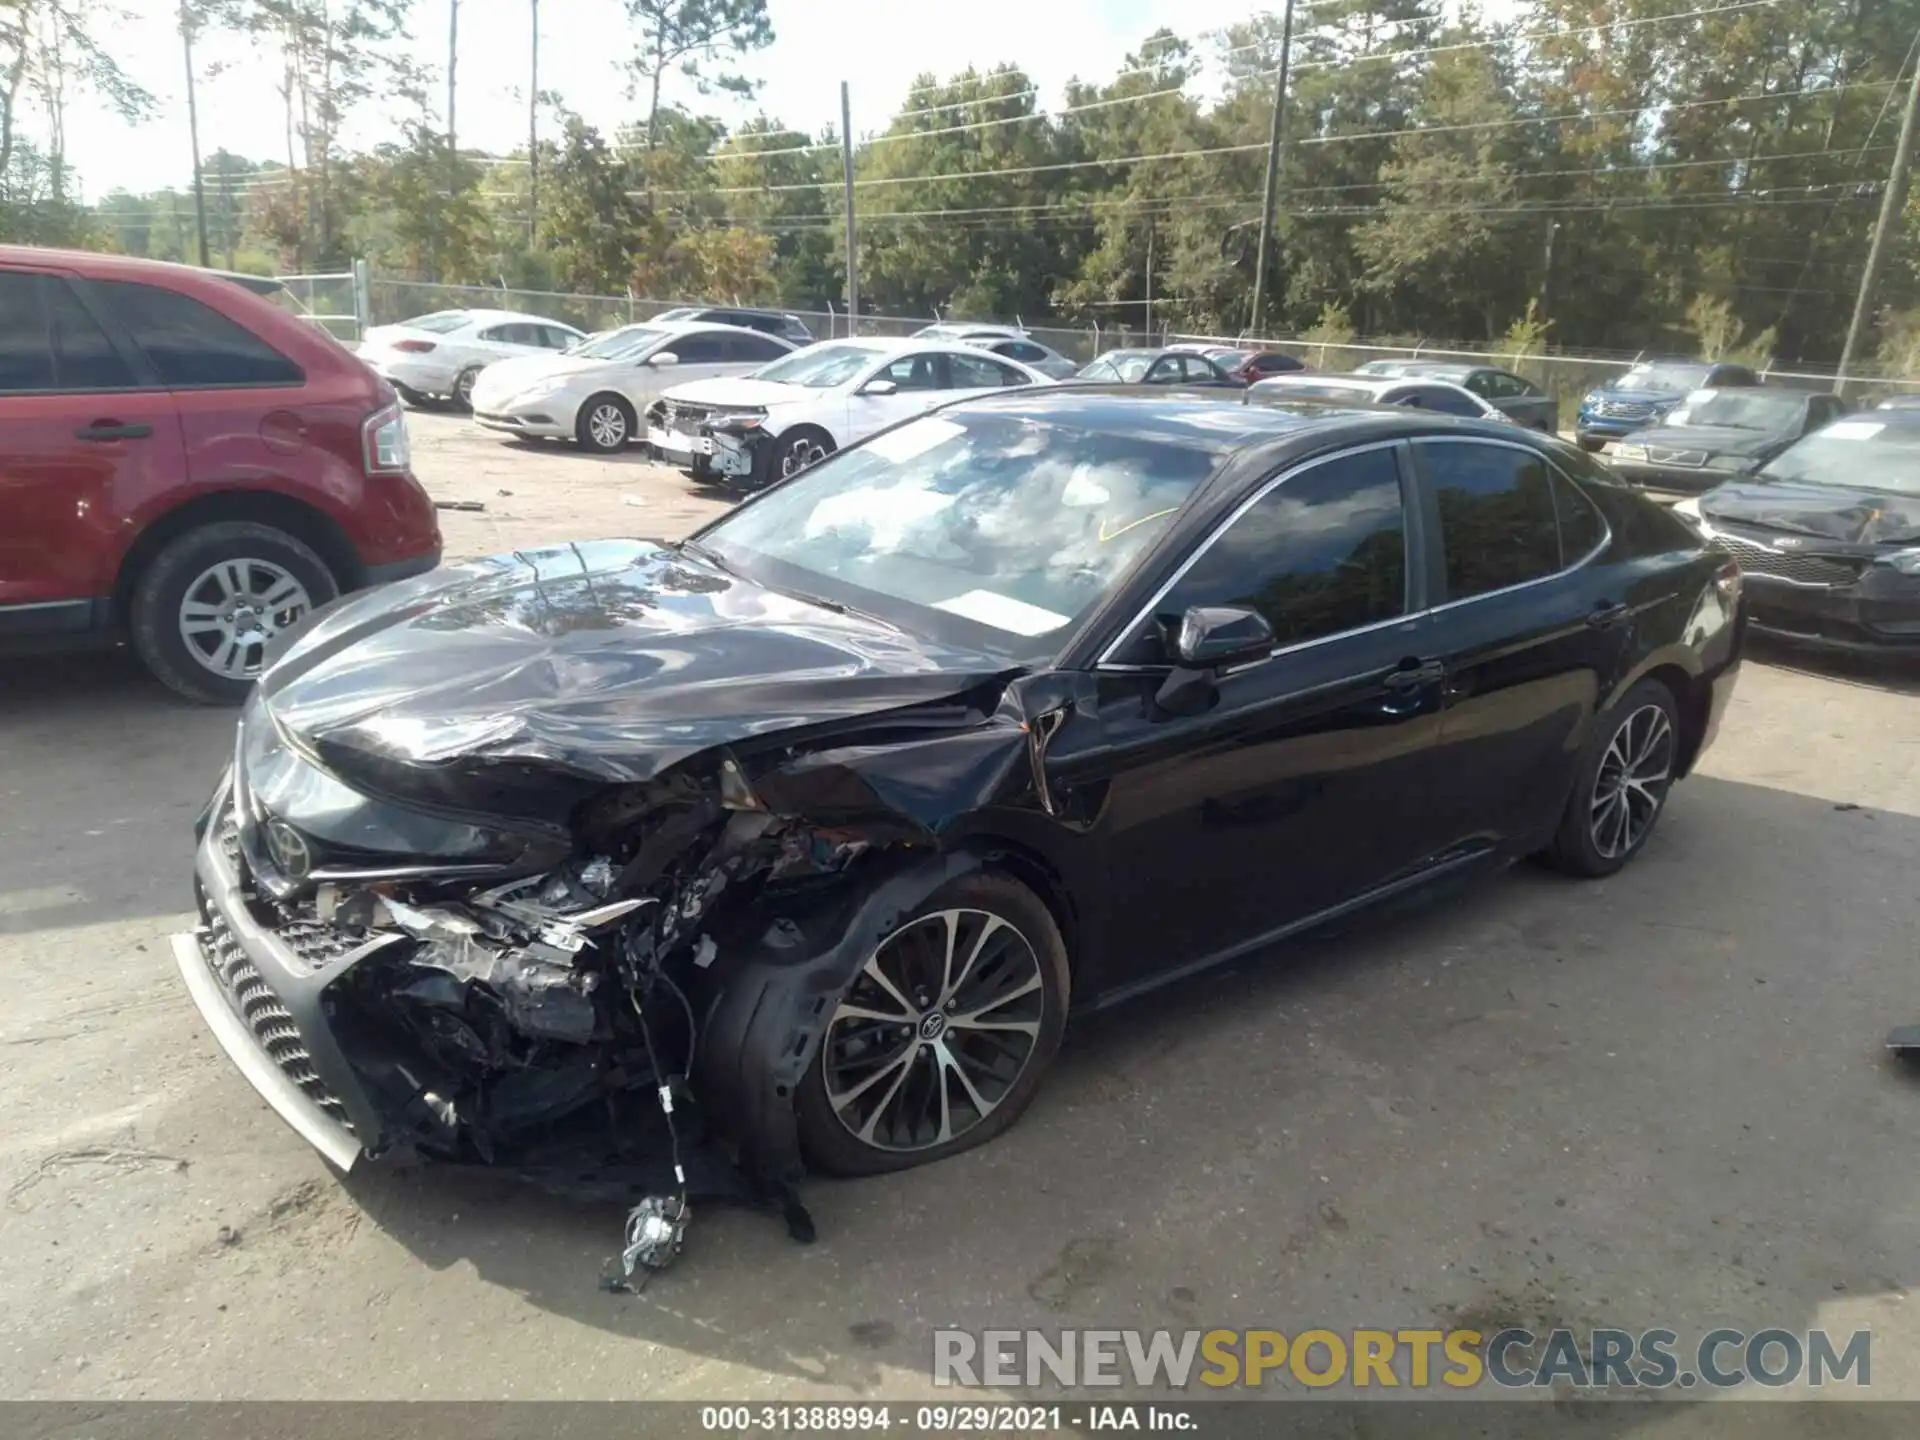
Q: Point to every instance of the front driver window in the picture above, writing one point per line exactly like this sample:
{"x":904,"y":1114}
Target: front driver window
{"x":914,"y":372}
{"x":1321,"y":553}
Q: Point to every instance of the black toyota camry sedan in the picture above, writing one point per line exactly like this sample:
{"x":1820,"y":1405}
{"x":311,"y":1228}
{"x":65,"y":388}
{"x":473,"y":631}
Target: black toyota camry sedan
{"x":806,"y":835}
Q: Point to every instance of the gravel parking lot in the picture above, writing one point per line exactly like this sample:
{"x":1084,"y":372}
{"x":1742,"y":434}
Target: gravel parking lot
{"x":1659,"y":1099}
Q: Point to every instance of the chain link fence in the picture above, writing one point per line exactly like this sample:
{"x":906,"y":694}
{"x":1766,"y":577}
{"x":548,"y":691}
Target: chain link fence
{"x":1567,"y":375}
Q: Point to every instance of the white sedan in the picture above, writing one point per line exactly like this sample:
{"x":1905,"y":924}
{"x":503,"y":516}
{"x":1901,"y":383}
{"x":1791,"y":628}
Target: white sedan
{"x":1413,"y":392}
{"x":443,"y":353}
{"x":789,"y":414}
{"x":597,"y":394}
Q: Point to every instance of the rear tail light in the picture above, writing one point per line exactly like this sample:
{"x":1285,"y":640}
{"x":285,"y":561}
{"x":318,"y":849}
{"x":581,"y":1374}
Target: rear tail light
{"x":383,"y":442}
{"x":414,"y":347}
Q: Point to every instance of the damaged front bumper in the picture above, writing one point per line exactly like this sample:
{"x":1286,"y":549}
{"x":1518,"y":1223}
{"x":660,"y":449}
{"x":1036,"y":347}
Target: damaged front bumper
{"x":264,"y":1002}
{"x":763,"y":983}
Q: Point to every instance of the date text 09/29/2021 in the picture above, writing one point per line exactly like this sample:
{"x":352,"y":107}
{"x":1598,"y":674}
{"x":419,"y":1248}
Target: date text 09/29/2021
{"x":882,"y":1418}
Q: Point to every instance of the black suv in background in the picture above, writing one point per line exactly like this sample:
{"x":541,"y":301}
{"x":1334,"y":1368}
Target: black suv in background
{"x":767,"y":322}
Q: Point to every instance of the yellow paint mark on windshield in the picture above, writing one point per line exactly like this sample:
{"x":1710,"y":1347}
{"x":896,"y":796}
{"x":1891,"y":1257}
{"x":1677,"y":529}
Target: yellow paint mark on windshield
{"x":1132,"y":524}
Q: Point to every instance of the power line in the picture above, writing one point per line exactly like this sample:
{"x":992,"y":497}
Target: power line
{"x":1336,"y":139}
{"x":1412,"y":52}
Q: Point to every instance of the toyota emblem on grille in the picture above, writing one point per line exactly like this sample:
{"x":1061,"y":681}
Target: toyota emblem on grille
{"x":288,"y":849}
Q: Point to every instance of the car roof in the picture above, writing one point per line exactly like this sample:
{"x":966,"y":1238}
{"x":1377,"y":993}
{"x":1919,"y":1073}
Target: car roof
{"x":1221,"y":424}
{"x":681,"y":327}
{"x":1431,"y":369}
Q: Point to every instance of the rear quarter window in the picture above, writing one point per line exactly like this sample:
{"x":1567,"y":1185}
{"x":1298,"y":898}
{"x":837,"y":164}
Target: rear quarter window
{"x":191,"y":345}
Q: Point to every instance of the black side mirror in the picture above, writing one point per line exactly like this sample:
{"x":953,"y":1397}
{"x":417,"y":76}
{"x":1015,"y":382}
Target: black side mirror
{"x":1211,"y":638}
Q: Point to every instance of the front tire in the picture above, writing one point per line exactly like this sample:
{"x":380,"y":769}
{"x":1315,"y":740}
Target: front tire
{"x":463,"y":388}
{"x":799,"y":449}
{"x":943,"y":1037}
{"x":205,"y":608}
{"x":1622,"y":784}
{"x":605,"y":424}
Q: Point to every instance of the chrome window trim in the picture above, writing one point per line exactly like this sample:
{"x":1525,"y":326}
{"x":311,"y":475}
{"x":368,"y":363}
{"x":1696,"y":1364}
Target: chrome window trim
{"x":1606,"y":530}
{"x":1107,"y":663}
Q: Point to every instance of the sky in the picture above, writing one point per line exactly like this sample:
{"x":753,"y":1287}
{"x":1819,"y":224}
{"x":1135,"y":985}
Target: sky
{"x":877,"y":46}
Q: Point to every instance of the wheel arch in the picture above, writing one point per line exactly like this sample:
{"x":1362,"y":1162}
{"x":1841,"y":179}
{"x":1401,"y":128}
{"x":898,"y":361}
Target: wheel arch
{"x":1692,"y":690}
{"x":312,"y":527}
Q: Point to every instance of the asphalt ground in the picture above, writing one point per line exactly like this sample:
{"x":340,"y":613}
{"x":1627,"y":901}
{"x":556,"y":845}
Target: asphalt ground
{"x":1656,"y":1100}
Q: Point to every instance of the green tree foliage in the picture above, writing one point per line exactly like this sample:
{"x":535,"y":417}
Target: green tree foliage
{"x":1703,"y":173}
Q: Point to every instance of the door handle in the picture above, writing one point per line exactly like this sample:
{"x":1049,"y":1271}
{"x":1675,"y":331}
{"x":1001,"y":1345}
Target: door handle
{"x":1606,"y":615}
{"x":1412,"y":677}
{"x":112,"y":430}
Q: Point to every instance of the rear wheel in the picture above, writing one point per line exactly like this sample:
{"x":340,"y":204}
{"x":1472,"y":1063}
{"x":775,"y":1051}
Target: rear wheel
{"x":944,"y":1035}
{"x":1622,"y":784}
{"x":605,"y":424}
{"x":205,"y":608}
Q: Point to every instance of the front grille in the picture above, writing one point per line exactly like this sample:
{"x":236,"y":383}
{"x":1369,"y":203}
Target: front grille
{"x":1625,"y":409}
{"x":1758,"y":559}
{"x":1660,"y":455}
{"x":254,"y":1002}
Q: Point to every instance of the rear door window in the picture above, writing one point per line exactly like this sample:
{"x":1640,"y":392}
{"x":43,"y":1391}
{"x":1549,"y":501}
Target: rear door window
{"x":1447,"y":402}
{"x":700,"y":348}
{"x":192,"y":345}
{"x":976,"y":372}
{"x":754,"y":349}
{"x":26,"y":354}
{"x":1498,"y":524}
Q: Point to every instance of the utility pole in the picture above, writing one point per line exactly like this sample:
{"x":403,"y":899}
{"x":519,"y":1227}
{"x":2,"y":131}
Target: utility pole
{"x":453,"y":67}
{"x":193,"y":133}
{"x":1892,"y":201}
{"x":533,"y":132}
{"x":1149,"y":280}
{"x":1546,"y":281}
{"x":846,"y":164}
{"x":1273,"y":174}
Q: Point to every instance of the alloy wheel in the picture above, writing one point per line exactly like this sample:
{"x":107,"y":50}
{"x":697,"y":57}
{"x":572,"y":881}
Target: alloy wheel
{"x":607,"y":425}
{"x":800,"y":454}
{"x":234,"y":608}
{"x":1631,"y":785}
{"x":463,"y":388}
{"x":936,"y":1030}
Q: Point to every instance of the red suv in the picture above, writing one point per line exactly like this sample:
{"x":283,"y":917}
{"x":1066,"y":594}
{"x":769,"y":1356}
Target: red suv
{"x":186,"y":465}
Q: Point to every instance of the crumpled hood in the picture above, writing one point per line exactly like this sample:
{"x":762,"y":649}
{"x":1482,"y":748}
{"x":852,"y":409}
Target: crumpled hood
{"x":742,"y":390}
{"x":610,"y":660}
{"x":1872,"y":517}
{"x":1714,"y":439}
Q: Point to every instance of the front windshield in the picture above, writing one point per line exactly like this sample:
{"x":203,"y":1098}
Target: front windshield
{"x":1741,"y":410}
{"x":1666,"y":378}
{"x":618,"y":344}
{"x":1015,"y":524}
{"x":1129,"y":365}
{"x":1852,"y":455}
{"x":819,"y":367}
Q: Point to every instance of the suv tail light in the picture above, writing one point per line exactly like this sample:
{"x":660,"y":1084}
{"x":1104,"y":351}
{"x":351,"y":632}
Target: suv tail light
{"x":414,"y":347}
{"x":383,"y":442}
